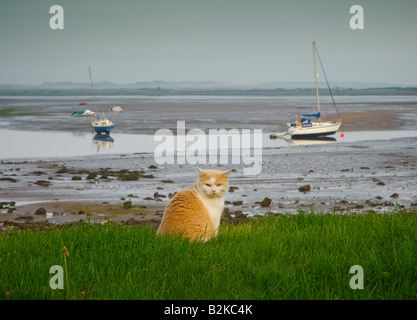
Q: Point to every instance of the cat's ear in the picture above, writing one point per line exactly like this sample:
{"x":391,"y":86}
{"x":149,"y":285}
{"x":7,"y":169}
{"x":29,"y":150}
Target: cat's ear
{"x":200,"y":172}
{"x":226,"y":173}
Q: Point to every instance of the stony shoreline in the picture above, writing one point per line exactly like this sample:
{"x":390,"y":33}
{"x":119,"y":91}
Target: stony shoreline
{"x":346,"y":177}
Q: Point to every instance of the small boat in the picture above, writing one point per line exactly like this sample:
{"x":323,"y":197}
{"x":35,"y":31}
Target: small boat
{"x":116,"y":109}
{"x":100,"y":125}
{"x":313,"y":125}
{"x":82,"y":103}
{"x":307,"y":128}
{"x":85,"y":112}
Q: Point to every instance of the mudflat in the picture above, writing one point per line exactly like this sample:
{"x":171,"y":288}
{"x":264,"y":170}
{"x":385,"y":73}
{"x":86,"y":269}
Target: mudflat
{"x":375,"y":174}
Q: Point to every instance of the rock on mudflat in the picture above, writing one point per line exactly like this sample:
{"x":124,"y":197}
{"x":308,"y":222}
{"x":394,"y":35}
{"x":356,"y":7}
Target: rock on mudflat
{"x":63,"y":169}
{"x":127,"y":204}
{"x":266,"y":202}
{"x":232,"y":189}
{"x":41,"y":212}
{"x":304,"y":188}
{"x":24,"y":218}
{"x":43,"y":183}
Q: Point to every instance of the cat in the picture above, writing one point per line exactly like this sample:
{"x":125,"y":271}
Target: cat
{"x":195,"y":213}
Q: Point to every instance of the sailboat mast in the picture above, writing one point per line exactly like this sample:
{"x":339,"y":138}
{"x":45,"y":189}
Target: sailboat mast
{"x":316,"y":76}
{"x":92,"y":89}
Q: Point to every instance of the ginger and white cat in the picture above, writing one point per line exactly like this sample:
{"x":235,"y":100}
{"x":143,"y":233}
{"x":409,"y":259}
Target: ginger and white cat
{"x":195,"y":213}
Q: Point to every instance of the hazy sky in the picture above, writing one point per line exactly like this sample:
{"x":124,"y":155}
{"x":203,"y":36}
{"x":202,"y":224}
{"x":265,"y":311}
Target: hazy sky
{"x":195,"y":40}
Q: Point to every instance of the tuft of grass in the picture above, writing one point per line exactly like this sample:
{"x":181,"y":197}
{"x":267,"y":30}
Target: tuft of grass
{"x":301,"y":256}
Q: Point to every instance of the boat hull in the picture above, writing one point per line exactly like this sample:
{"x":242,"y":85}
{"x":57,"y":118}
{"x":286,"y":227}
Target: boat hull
{"x":83,"y":113}
{"x":102,"y":125}
{"x":103,"y":129}
{"x":316,"y":129}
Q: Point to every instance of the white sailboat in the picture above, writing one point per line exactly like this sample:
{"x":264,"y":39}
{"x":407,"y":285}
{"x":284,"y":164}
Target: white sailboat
{"x":86,"y":112}
{"x":116,"y":109}
{"x":313,"y":125}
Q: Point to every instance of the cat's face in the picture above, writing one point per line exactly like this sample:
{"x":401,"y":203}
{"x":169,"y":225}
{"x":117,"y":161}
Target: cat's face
{"x":213,"y":183}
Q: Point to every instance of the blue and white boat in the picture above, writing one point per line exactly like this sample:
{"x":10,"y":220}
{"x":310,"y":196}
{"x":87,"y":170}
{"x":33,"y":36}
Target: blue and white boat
{"x":313,"y":125}
{"x":116,"y":109}
{"x":101,"y":125}
{"x":306,"y":128}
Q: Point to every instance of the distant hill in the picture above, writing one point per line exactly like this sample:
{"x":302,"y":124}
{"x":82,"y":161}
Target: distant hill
{"x":183,"y":88}
{"x":195,"y":85}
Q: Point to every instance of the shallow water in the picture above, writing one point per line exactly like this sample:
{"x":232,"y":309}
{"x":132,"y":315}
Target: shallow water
{"x":146,"y":114}
{"x":51,"y":144}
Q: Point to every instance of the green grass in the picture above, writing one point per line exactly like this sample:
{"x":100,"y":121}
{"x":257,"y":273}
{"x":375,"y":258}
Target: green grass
{"x":303,"y":256}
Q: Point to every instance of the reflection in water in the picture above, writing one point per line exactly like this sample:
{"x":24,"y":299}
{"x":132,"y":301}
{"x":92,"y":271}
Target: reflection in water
{"x":306,"y":141}
{"x":47,"y":144}
{"x":311,"y":141}
{"x":103,"y":141}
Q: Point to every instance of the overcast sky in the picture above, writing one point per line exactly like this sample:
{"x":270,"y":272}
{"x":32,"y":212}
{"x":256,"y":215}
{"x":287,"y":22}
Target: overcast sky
{"x":127,"y":41}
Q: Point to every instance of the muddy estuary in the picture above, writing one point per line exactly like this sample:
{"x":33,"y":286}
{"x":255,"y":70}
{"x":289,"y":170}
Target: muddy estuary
{"x":55,"y":174}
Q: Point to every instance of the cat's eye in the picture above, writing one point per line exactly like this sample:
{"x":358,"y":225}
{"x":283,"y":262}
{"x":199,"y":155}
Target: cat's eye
{"x":219,"y":184}
{"x":208,"y":184}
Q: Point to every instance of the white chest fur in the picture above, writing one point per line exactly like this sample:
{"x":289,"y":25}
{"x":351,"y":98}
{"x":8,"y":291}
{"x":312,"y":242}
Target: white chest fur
{"x":214,"y":207}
